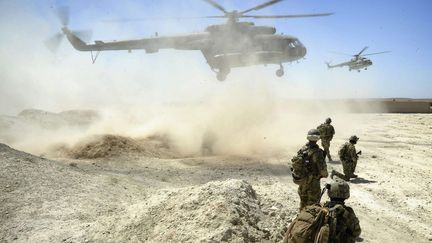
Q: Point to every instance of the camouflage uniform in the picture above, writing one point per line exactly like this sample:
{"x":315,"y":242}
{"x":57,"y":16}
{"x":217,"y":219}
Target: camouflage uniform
{"x":349,"y":162}
{"x":332,"y":222}
{"x":347,"y":226}
{"x":310,"y":191}
{"x":344,"y":224}
{"x":327,"y":132}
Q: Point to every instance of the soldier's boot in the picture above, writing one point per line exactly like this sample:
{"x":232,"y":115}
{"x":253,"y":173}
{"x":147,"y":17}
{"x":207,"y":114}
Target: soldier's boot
{"x":332,"y":174}
{"x":354,"y":176}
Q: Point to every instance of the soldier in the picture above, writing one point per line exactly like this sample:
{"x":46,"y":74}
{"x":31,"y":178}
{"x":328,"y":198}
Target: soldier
{"x":331,"y":222}
{"x":327,"y":132}
{"x":316,"y":168}
{"x":346,"y":227}
{"x":348,"y":157}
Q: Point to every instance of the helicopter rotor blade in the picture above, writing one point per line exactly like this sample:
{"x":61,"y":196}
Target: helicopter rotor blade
{"x":126,"y":20}
{"x":375,"y":53}
{"x":63,"y":15}
{"x":364,"y":49}
{"x":53,"y":42}
{"x":285,"y":16}
{"x":341,"y":53}
{"x":216,"y":5}
{"x":261,"y":6}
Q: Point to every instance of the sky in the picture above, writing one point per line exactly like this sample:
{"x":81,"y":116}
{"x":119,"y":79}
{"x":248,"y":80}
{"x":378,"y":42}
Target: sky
{"x":32,"y":76}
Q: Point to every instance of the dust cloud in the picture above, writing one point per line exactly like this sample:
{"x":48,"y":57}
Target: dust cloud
{"x":242,"y":120}
{"x":171,"y":93}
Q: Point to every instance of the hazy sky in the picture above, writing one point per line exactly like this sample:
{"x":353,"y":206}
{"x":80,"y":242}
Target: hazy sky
{"x":31,"y":76}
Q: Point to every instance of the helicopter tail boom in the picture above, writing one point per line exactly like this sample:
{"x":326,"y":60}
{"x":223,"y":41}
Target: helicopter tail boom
{"x":76,"y":42}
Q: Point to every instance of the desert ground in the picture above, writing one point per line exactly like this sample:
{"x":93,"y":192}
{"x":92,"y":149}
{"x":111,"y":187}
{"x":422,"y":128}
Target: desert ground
{"x":122,"y":188}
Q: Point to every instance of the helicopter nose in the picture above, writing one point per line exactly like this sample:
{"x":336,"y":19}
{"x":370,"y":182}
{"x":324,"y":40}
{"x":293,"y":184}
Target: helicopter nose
{"x":303,"y":51}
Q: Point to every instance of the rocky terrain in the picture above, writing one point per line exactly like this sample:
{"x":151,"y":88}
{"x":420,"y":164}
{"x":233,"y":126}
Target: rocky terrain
{"x":114,"y":188}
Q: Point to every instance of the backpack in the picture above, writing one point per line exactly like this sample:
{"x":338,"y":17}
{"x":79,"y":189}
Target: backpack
{"x":324,"y":130}
{"x":312,"y":225}
{"x":343,"y":151}
{"x":300,"y":165}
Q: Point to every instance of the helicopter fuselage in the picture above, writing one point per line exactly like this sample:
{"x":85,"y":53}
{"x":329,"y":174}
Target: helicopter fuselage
{"x":224,"y":46}
{"x":243,"y":44}
{"x":359,"y":63}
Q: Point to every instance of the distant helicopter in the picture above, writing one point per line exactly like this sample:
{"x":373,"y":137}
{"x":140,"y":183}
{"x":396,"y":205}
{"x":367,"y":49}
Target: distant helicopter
{"x":224,"y":46}
{"x":358,"y":61}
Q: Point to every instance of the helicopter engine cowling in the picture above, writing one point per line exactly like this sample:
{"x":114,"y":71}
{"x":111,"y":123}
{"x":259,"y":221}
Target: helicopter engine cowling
{"x":262,"y":30}
{"x":242,"y":27}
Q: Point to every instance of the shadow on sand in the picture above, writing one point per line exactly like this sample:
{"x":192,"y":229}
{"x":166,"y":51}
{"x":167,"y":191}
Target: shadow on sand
{"x":334,"y":162}
{"x":360,"y":180}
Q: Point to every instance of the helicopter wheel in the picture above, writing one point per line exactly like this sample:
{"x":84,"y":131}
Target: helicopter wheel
{"x":280,"y":72}
{"x":222,"y":74}
{"x":358,"y":71}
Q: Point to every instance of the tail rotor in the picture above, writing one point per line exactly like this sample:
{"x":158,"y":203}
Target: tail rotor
{"x":54,"y":42}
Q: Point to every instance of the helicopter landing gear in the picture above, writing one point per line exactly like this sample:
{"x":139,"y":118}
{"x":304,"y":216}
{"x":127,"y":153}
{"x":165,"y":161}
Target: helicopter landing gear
{"x":280,"y":72}
{"x":222,"y":74}
{"x":358,"y":71}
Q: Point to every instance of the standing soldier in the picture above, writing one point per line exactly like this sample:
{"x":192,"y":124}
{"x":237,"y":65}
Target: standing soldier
{"x":327,"y":132}
{"x":348,"y":157}
{"x":308,"y":167}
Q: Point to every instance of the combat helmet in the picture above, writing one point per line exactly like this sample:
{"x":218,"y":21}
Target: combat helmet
{"x":328,"y":120}
{"x":313,"y":135}
{"x":338,"y":190}
{"x":353,"y":138}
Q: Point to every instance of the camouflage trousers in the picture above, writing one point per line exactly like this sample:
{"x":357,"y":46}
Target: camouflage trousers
{"x":326,"y":146}
{"x":348,"y":169}
{"x":310,"y":192}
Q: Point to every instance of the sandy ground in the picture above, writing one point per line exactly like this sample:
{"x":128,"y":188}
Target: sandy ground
{"x":215,"y":198}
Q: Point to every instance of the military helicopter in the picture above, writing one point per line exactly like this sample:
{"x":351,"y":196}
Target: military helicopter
{"x":358,"y":61}
{"x":224,"y":46}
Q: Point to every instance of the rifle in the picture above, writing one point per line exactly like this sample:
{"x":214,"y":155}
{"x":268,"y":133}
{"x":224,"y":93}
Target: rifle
{"x":359,"y":152}
{"x":327,"y":186}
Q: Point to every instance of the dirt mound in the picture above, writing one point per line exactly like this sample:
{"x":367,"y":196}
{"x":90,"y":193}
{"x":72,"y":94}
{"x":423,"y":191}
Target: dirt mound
{"x":47,"y":201}
{"x":106,"y":146}
{"x":217,"y":211}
